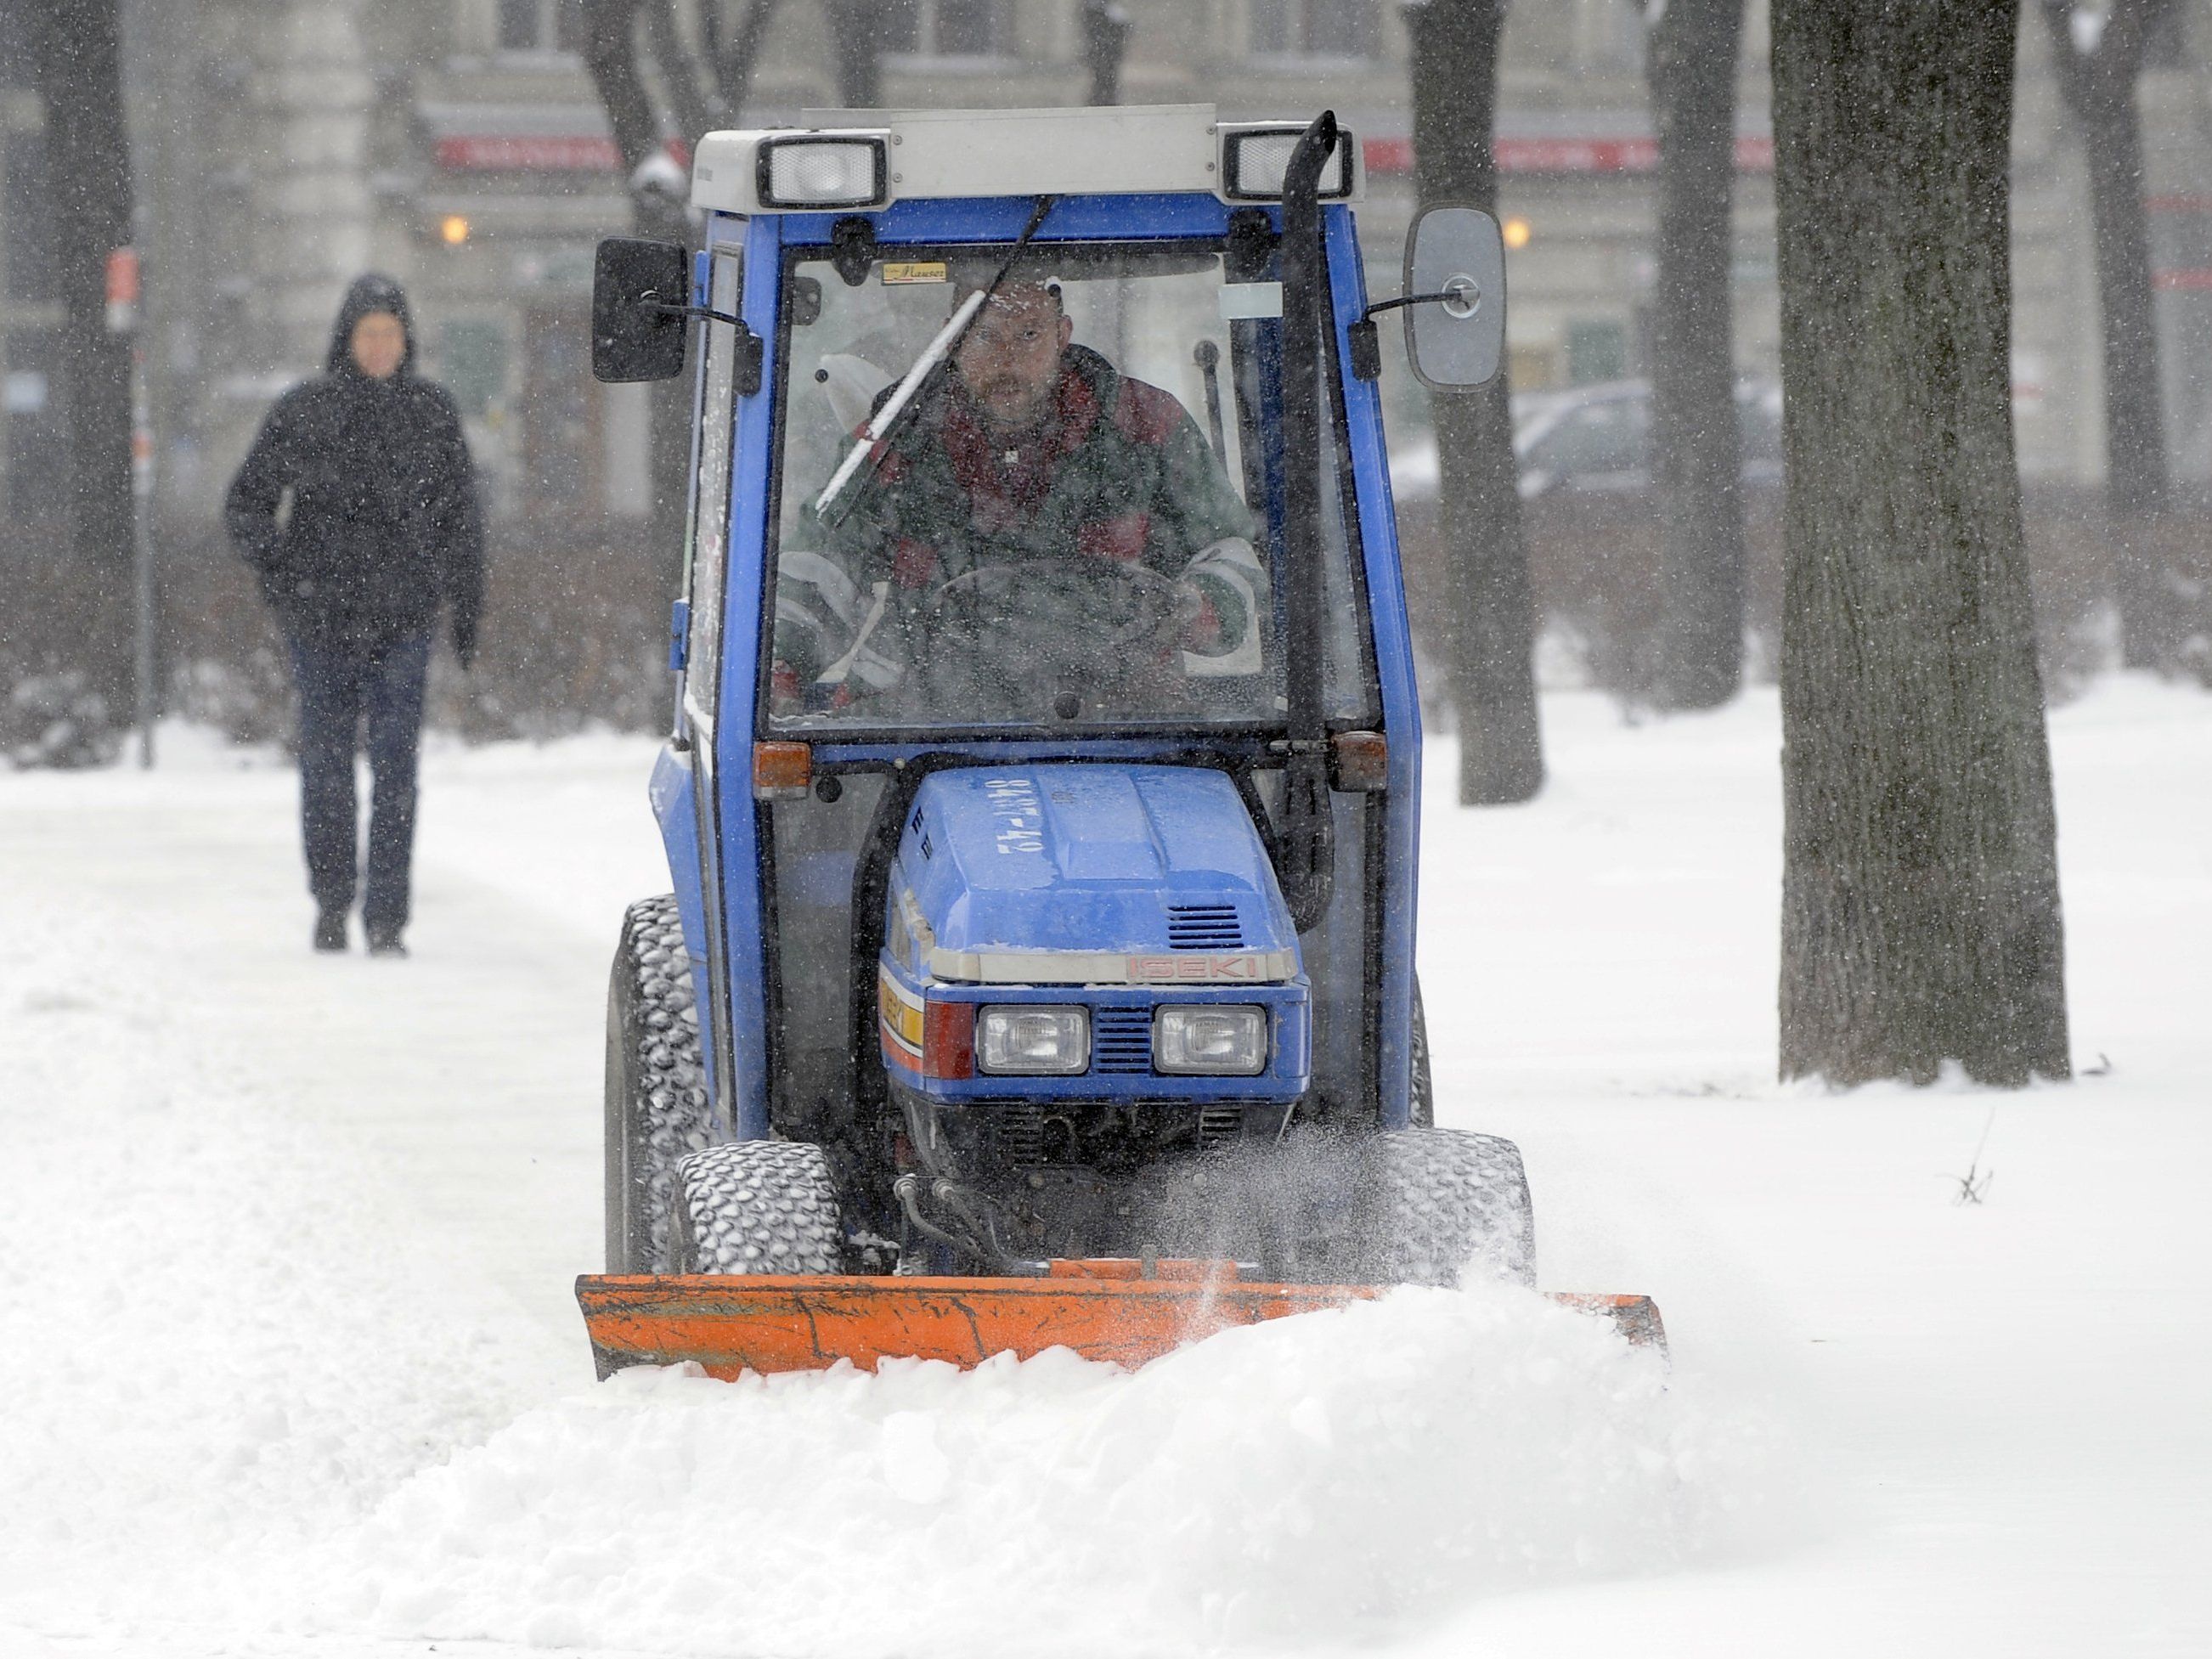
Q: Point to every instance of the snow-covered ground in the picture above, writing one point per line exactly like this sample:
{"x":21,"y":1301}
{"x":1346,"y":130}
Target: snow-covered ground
{"x":288,"y":1362}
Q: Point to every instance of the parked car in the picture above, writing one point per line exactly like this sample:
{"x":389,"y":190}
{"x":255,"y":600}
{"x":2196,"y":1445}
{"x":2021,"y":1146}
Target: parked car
{"x":1597,"y":439}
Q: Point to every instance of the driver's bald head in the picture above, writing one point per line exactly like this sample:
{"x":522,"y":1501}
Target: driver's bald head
{"x":1015,"y":293}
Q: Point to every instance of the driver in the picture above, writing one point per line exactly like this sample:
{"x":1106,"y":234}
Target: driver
{"x":1040,"y":467}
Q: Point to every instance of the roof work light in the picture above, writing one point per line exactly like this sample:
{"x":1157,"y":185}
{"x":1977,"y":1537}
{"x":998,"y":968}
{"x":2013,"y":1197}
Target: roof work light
{"x":1255,"y":158}
{"x":812,"y":171}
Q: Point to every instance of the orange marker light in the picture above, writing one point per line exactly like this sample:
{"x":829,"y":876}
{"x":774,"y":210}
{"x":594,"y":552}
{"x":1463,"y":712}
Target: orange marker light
{"x":454,"y":229}
{"x":782,"y":771}
{"x":1517,"y":234}
{"x":1360,"y":760}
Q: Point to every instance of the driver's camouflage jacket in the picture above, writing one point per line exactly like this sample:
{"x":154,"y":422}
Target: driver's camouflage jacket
{"x":1118,"y":472}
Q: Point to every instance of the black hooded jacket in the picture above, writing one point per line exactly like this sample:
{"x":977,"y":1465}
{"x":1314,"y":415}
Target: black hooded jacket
{"x":383,"y":524}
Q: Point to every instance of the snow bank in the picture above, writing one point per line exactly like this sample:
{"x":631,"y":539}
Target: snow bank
{"x":259,"y":1383}
{"x":219,"y":1334}
{"x":1306,"y":1482}
{"x":289,"y":1361}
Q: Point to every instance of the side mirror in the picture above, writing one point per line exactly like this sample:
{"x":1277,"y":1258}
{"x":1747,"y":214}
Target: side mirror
{"x":639,"y":290}
{"x":1455,"y":344}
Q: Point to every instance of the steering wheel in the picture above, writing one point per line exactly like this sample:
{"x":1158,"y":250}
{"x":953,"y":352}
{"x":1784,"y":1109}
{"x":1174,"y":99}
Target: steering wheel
{"x":1055,"y":635}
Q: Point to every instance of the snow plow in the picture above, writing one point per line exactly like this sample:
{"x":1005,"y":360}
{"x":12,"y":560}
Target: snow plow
{"x":1042,"y":800}
{"x":1108,"y":1310}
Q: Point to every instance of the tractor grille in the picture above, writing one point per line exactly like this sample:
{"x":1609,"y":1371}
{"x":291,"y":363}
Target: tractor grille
{"x":1121,"y":1040}
{"x":1021,"y":1134}
{"x":1204,"y":927}
{"x":1112,"y":1139}
{"x":1218,"y":1126}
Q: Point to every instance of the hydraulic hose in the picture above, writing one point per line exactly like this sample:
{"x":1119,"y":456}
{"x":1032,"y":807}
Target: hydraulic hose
{"x":1305,"y":864}
{"x":908,"y":1190}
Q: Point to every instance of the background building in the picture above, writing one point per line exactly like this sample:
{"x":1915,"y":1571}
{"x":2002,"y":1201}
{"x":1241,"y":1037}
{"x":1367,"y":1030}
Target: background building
{"x":285,"y":145}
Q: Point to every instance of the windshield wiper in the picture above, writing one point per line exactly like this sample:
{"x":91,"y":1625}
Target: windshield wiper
{"x":895,"y":412}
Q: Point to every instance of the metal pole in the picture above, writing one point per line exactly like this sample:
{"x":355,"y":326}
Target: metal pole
{"x":122,"y":318}
{"x":141,"y":544}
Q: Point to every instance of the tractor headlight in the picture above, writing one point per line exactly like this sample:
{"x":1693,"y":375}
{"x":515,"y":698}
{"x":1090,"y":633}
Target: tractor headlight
{"x":823,"y":172}
{"x":1210,"y":1039}
{"x":1033,"y":1040}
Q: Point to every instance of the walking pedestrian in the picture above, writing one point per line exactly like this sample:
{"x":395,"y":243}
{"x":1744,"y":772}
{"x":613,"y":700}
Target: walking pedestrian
{"x":382,"y":531}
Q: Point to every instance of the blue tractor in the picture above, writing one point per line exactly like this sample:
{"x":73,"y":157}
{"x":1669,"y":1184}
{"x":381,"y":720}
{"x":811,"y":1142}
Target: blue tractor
{"x":1043,"y":795}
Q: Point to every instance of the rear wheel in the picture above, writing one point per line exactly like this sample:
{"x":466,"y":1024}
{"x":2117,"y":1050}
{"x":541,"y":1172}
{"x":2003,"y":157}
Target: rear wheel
{"x":756,"y":1207}
{"x":1441,"y":1204}
{"x":657,"y":1110}
{"x":1423,"y":1093}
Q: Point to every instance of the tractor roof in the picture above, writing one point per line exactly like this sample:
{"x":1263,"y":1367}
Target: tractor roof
{"x":863,"y":160}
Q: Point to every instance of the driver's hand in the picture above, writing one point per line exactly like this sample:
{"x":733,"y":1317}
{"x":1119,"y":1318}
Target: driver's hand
{"x":1193,"y":625}
{"x":783,"y":692}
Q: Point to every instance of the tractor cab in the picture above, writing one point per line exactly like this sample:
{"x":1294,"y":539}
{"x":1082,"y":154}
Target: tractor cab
{"x":1042,"y":798}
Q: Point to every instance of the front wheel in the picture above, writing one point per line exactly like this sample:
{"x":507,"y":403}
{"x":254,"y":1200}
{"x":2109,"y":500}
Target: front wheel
{"x":756,"y":1207}
{"x":1444,"y":1204}
{"x":1424,"y":1093}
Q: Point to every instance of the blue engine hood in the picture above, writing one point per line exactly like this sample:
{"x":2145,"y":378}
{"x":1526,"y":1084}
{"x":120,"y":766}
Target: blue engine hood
{"x":1086,"y":874}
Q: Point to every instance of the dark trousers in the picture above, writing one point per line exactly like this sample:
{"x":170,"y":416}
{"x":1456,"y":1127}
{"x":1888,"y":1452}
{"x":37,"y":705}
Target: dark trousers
{"x":339,"y":685}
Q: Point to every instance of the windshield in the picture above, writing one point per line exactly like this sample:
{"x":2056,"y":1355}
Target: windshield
{"x":1069,"y":510}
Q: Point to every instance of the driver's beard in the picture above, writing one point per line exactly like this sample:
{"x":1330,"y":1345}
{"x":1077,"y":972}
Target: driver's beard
{"x":1011,"y":408}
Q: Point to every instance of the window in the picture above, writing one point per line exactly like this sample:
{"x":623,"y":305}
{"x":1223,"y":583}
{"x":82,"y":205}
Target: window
{"x":472,"y":364}
{"x":944,"y":28}
{"x":37,"y":446}
{"x":706,"y":554}
{"x":1597,"y":351}
{"x":1312,"y":28}
{"x":26,"y":211}
{"x":541,"y":25}
{"x":1076,"y":527}
{"x":16,"y":69}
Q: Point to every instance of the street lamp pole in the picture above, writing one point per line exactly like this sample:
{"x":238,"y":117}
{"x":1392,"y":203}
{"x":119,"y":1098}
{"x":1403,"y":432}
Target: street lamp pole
{"x":123,"y":290}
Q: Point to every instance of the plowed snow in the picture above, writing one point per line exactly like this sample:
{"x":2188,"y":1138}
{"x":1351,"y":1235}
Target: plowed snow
{"x":287,"y":1361}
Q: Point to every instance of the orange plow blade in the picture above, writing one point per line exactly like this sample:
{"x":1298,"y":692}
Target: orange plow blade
{"x":1101,"y":1310}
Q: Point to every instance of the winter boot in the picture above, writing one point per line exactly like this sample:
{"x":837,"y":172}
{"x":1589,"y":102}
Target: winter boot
{"x":386,"y":942}
{"x":330,"y":931}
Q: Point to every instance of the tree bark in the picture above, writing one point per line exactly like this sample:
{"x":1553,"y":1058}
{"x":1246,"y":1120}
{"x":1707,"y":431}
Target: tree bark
{"x":79,"y":80}
{"x":856,"y":32}
{"x":1920,"y":895}
{"x":1105,"y":43}
{"x":1491,"y":628}
{"x":679,"y":71}
{"x":611,"y":54}
{"x":736,"y":59}
{"x":1697,"y":450}
{"x":2098,"y":82}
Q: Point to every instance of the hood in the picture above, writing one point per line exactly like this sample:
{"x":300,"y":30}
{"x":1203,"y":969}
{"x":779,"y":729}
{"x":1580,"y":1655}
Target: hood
{"x":371,"y":292}
{"x":1091,"y":874}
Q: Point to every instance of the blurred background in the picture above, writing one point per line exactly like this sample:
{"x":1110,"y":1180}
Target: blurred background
{"x":280,"y":147}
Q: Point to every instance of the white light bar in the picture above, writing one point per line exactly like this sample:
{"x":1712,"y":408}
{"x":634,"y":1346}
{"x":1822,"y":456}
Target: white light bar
{"x":846,"y":161}
{"x":1255,"y":158}
{"x":817,"y":170}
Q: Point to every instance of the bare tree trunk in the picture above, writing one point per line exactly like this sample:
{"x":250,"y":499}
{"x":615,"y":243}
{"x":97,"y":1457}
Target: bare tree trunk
{"x":1105,"y":43}
{"x":611,"y":54}
{"x":737,"y":58}
{"x":1492,"y":624}
{"x":79,"y":79}
{"x":1697,"y":450}
{"x":679,"y":72}
{"x":1921,"y":917}
{"x":856,"y":31}
{"x":2097,"y":67}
